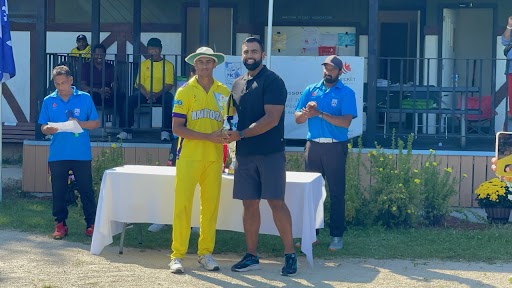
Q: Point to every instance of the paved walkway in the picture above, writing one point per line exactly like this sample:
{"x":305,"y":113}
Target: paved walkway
{"x":38,"y":261}
{"x":13,"y":172}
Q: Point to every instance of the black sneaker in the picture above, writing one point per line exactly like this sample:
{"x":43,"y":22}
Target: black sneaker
{"x":290,"y":265}
{"x":248,"y":262}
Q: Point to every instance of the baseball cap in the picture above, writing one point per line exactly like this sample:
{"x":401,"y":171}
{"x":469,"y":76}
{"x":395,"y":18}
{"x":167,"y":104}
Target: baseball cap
{"x":154,"y":42}
{"x":81,"y":37}
{"x":334,"y":61}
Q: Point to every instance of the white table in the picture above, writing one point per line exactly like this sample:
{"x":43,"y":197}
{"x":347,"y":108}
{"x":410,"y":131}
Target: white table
{"x":145,"y":194}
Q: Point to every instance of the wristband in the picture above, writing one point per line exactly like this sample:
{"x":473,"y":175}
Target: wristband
{"x":321,"y":115}
{"x":509,"y":28}
{"x":241,"y":133}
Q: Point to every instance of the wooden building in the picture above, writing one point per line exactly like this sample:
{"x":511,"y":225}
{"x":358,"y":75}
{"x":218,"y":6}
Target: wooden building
{"x":433,"y":66}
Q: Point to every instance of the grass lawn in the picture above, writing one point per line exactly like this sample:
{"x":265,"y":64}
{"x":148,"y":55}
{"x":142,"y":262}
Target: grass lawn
{"x":459,"y":242}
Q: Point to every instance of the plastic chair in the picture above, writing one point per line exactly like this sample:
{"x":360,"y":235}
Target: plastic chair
{"x":475,"y":122}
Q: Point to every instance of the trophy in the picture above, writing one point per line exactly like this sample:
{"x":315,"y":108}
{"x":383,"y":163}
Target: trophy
{"x":232,"y":156}
{"x":228,"y":125}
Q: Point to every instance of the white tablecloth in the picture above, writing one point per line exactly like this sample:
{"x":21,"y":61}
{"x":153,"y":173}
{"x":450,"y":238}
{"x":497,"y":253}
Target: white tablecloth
{"x":145,"y":194}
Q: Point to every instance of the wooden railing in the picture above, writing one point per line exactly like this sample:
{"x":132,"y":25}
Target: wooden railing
{"x":18,"y":133}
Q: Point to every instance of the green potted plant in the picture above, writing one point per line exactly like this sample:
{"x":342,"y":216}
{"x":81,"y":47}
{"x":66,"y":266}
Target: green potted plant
{"x":495,"y":197}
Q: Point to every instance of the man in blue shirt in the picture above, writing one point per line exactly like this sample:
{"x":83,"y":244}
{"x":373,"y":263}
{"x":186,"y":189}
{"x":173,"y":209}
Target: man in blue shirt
{"x":329,"y":107}
{"x":69,"y":151}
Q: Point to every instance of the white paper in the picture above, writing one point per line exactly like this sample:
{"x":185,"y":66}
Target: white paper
{"x":278,"y":41}
{"x":310,"y":37}
{"x":69,"y":126}
{"x":328,"y":39}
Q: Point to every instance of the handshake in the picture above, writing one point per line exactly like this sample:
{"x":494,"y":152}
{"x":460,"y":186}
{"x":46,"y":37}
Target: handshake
{"x":224,"y":136}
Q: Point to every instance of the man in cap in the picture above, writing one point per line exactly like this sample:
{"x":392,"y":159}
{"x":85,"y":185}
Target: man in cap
{"x":329,"y":107}
{"x":198,"y":117}
{"x":82,"y":49}
{"x":153,"y":85}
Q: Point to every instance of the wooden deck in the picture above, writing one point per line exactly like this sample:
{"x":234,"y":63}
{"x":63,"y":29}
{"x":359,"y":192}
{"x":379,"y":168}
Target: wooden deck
{"x":475,"y":164}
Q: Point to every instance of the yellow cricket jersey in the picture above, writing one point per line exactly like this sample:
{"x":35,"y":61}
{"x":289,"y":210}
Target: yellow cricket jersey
{"x":86,"y":53}
{"x":158,"y":74}
{"x":203,"y":113}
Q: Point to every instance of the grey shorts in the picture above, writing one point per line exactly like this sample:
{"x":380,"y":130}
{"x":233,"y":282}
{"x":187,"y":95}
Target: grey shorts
{"x":260,"y":177}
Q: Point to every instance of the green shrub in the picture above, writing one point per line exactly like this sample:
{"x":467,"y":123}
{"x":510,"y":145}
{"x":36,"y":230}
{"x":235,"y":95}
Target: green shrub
{"x":108,"y":158}
{"x":354,"y":192}
{"x":402,"y":193}
{"x":295,"y":162}
{"x":437,"y":188}
{"x":394,"y":195}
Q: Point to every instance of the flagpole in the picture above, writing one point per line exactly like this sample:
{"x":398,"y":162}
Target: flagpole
{"x":1,"y":140}
{"x":7,"y":67}
{"x":269,"y":32}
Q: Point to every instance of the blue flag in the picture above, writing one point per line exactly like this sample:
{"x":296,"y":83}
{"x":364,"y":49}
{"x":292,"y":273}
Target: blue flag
{"x":7,"y":68}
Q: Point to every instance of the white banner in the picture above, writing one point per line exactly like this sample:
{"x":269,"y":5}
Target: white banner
{"x":298,"y":72}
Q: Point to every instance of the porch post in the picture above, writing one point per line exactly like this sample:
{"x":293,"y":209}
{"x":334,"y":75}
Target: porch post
{"x":95,"y":23}
{"x":371,"y":105}
{"x":136,"y":29}
{"x":204,"y":17}
{"x":269,"y":32}
{"x":40,"y":59}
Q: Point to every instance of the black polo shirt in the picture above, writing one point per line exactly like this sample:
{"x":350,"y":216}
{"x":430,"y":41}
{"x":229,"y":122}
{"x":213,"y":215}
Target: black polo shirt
{"x":251,"y":94}
{"x":97,"y":75}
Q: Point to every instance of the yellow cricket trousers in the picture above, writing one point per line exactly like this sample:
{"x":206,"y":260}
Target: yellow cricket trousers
{"x":188,"y":174}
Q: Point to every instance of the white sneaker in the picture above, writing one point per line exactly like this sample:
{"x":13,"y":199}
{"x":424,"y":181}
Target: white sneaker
{"x":156,"y":227}
{"x":123,"y":135}
{"x":164,"y":135}
{"x":336,"y":244}
{"x":208,"y":262}
{"x":176,"y":266}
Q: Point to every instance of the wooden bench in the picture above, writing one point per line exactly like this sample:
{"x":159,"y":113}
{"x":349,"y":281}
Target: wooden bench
{"x":150,"y":115}
{"x":17,"y":133}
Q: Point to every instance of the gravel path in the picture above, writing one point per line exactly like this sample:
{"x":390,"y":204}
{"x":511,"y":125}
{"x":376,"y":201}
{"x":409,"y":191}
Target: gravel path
{"x":28,"y":260}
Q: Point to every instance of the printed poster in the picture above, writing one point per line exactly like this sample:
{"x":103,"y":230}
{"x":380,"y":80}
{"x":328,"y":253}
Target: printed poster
{"x":298,"y":72}
{"x":346,"y":39}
